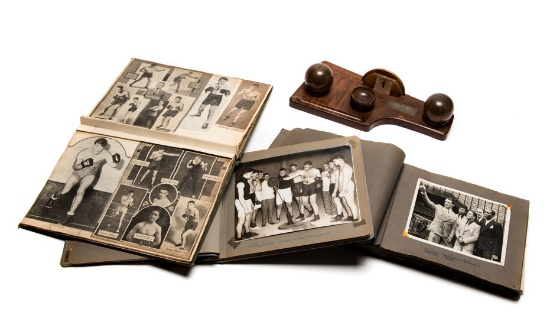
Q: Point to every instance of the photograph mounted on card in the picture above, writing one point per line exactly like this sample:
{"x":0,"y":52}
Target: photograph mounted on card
{"x":296,"y":197}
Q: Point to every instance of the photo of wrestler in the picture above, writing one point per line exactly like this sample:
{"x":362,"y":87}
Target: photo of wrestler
{"x":290,"y":188}
{"x":459,"y":223}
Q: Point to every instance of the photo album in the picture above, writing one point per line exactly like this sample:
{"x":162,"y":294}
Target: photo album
{"x":439,"y":224}
{"x":146,"y":169}
{"x":435,"y":223}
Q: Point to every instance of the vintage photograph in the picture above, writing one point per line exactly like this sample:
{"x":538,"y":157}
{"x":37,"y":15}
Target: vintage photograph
{"x":212,"y":101}
{"x":185,"y":223}
{"x":149,"y":226}
{"x":151,"y":96}
{"x":82,"y":181}
{"x":165,"y":98}
{"x":125,"y":204}
{"x":164,"y":198}
{"x":243,"y":105}
{"x":295,"y":192}
{"x":459,"y":221}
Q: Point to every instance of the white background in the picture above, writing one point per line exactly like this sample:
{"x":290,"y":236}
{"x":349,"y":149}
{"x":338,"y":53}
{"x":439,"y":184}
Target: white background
{"x":491,"y":57}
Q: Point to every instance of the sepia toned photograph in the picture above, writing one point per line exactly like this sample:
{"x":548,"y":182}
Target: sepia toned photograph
{"x":182,"y":101}
{"x":149,"y":226}
{"x":460,"y":222}
{"x":181,"y":186}
{"x":211,"y":102}
{"x":242,"y":107}
{"x":82,"y":182}
{"x":295,"y":192}
{"x":124,"y":205}
{"x":187,"y":220}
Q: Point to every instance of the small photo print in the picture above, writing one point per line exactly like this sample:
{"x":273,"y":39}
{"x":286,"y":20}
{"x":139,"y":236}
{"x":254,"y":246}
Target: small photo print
{"x":459,"y":221}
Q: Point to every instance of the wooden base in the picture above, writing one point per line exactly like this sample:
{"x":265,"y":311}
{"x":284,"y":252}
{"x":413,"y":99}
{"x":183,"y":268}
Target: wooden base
{"x":401,"y":110}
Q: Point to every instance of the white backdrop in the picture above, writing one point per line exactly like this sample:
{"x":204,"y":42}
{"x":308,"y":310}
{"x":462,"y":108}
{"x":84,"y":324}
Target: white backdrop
{"x":59,"y":58}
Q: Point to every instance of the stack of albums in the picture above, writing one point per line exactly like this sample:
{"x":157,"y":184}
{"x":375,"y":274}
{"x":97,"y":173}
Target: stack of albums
{"x":150,"y":160}
{"x":401,"y":206}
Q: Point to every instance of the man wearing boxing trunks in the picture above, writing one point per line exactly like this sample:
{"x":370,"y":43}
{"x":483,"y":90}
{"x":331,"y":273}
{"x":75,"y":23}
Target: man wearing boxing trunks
{"x":86,"y":166}
{"x":216,"y":92}
{"x":191,"y":217}
{"x":249,"y":98}
{"x":174,"y":109}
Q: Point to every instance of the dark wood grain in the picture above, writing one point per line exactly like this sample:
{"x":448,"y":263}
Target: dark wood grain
{"x":404,"y":110}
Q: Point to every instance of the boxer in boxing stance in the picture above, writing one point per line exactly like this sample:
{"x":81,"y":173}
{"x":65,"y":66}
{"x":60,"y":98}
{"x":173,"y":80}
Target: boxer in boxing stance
{"x":174,"y":108}
{"x":119,"y":99}
{"x":86,"y":166}
{"x":147,"y":74}
{"x":191,"y":217}
{"x":154,"y":165}
{"x":216,"y":92}
{"x":126,"y":201}
{"x":249,"y":98}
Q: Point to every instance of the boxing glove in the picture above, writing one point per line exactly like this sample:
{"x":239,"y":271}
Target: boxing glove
{"x":87,"y":162}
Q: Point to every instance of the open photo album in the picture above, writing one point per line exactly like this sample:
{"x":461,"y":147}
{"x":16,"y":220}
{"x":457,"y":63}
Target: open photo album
{"x":452,"y":228}
{"x":455,"y":229}
{"x":278,"y":200}
{"x":151,"y":159}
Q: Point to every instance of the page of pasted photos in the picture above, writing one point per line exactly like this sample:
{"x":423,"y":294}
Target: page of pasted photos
{"x":381,"y":161}
{"x":141,"y":197}
{"x":180,"y":105}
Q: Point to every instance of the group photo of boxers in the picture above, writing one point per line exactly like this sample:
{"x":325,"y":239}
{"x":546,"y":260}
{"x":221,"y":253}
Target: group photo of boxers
{"x":294,"y":193}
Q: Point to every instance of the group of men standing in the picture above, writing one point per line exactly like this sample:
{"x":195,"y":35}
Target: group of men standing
{"x":472,"y":232}
{"x":255,"y":190}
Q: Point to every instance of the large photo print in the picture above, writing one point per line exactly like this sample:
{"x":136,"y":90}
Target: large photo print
{"x":295,"y":192}
{"x":459,"y":221}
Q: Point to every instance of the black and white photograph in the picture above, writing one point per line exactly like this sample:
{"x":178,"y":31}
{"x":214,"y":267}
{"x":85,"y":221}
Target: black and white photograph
{"x":295,"y":192}
{"x":243,"y":105}
{"x":149,"y":226}
{"x":198,"y":175}
{"x":125,"y":203}
{"x":154,"y":164}
{"x":211,"y":103}
{"x":464,"y":223}
{"x":186,"y":222}
{"x":82,"y":182}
